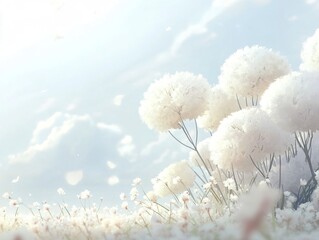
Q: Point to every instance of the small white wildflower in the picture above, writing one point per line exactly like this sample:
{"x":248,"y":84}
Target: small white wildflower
{"x":303,"y":182}
{"x":152,"y":196}
{"x":60,"y":191}
{"x":213,"y":180}
{"x":233,"y":197}
{"x":134,"y":193}
{"x":36,"y":204}
{"x":287,"y":193}
{"x":14,"y":203}
{"x":207,"y":186}
{"x":46,"y":206}
{"x":124,"y":205}
{"x":230,"y":184}
{"x":123,"y":196}
{"x":206,"y":203}
{"x":292,"y":199}
{"x":185,"y":196}
{"x":6,"y":195}
{"x":113,"y":210}
{"x":136,"y":182}
{"x":85,"y":195}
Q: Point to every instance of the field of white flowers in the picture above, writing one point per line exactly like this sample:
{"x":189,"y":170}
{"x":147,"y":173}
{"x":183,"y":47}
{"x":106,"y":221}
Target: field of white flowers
{"x":254,"y":177}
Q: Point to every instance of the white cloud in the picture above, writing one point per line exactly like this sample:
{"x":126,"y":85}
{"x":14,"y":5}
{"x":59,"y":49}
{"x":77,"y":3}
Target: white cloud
{"x":293,"y":18}
{"x":74,"y":177}
{"x":168,"y":29}
{"x":311,"y":2}
{"x":217,"y":8}
{"x":150,"y":146}
{"x":126,"y":146}
{"x":111,"y":165}
{"x":162,"y":157}
{"x":109,"y":127}
{"x":118,"y":99}
{"x":44,"y":125}
{"x":167,"y":156}
{"x":15,"y":180}
{"x":56,"y":131}
{"x":261,"y":2}
{"x":71,"y":107}
{"x":46,"y":105}
{"x":113,"y":180}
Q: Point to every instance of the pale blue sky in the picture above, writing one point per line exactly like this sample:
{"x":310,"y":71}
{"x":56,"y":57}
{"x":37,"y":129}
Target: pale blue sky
{"x":63,"y":62}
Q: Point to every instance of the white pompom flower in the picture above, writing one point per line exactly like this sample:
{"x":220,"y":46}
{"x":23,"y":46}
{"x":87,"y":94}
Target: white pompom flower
{"x":310,"y":53}
{"x":166,"y":184}
{"x":220,"y":105}
{"x":173,"y":98}
{"x":246,"y":134}
{"x":250,"y":70}
{"x":291,"y":101}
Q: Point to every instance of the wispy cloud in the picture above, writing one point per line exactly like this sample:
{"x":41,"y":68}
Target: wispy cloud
{"x":111,"y":165}
{"x":46,"y":105}
{"x":311,"y":2}
{"x":126,"y":146}
{"x":109,"y":127}
{"x":50,"y":138}
{"x":113,"y":180}
{"x":142,"y":72}
{"x":118,"y":99}
{"x":218,"y":7}
{"x":151,"y":145}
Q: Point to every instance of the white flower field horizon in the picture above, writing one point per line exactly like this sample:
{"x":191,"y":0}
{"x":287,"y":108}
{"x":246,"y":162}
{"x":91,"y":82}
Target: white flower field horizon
{"x":252,"y":170}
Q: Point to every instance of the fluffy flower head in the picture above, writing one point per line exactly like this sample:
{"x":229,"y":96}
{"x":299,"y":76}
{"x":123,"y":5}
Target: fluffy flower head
{"x":220,"y":105}
{"x":244,"y":134}
{"x":249,"y":71}
{"x":166,"y":183}
{"x":291,"y":101}
{"x":174,"y":97}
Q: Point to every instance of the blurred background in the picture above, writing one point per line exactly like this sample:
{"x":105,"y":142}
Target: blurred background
{"x":72,"y":74}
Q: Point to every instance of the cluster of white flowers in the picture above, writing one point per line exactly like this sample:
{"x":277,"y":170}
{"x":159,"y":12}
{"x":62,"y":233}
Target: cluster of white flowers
{"x":249,"y":71}
{"x":310,"y":53}
{"x":245,"y":136}
{"x":253,"y":216}
{"x":166,"y":183}
{"x":174,"y":98}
